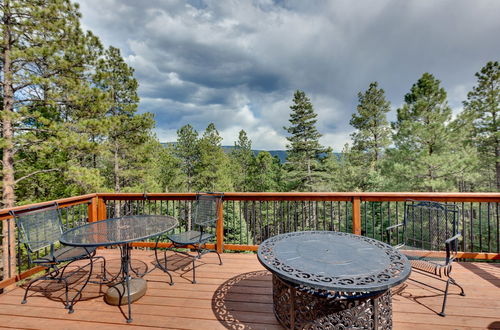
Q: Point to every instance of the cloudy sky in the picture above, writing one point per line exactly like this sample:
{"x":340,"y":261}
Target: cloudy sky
{"x":237,"y":63}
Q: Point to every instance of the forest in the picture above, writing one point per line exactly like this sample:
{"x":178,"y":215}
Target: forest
{"x":71,"y":125}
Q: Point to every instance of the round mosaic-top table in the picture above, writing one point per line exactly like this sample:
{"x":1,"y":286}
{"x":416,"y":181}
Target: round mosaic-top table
{"x":122,"y":232}
{"x":326,"y":279}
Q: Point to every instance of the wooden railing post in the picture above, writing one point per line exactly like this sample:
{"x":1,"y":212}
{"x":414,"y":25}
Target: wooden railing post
{"x":356,"y":215}
{"x":92,"y":209}
{"x":220,"y":226}
{"x":101,"y":209}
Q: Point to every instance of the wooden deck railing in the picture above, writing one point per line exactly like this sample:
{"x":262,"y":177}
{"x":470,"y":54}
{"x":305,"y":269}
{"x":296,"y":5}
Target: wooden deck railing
{"x":246,"y":219}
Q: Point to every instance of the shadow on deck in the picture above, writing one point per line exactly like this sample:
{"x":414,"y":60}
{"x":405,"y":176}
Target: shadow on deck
{"x":238,"y":295}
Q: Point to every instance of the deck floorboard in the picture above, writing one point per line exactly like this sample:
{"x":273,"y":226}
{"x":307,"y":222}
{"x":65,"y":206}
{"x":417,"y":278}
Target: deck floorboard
{"x":238,"y":295}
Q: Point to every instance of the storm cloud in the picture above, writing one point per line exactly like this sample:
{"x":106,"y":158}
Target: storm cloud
{"x":237,"y":63}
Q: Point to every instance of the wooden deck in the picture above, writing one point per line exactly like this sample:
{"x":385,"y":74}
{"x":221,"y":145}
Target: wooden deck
{"x":238,"y":295}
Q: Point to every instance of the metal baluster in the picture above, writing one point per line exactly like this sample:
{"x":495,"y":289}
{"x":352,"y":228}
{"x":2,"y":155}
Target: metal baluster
{"x":489,"y":227}
{"x":346,"y":217}
{"x":332,"y":216}
{"x":373,"y":219}
{"x":381,"y":221}
{"x":464,"y":237}
{"x":480,"y":228}
{"x":471,"y":228}
{"x":498,"y":229}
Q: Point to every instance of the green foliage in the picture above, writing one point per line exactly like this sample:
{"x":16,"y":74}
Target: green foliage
{"x":303,"y":168}
{"x":71,"y":108}
{"x":187,"y":152}
{"x":265,"y":173}
{"x":482,"y":109}
{"x":424,"y":157}
{"x":372,"y":135}
{"x":242,"y":158}
{"x":212,"y":170}
{"x":359,"y":167}
{"x":171,"y":178}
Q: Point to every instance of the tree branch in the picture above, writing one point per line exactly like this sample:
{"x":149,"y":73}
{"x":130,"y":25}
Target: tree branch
{"x":34,"y":173}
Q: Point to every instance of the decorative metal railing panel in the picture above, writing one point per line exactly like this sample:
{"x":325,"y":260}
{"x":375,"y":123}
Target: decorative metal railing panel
{"x":250,"y":218}
{"x":479,"y":223}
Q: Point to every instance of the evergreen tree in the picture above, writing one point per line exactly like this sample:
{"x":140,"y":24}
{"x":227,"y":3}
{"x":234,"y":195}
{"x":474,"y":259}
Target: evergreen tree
{"x":171,"y":177}
{"x":424,"y":158}
{"x":370,"y":140}
{"x":482,"y":109}
{"x":265,"y":173}
{"x":187,"y":151}
{"x":372,"y":135}
{"x":212,"y":169}
{"x":303,"y":169}
{"x":243,"y":157}
{"x":40,"y":41}
{"x":351,"y":174}
{"x":127,"y":132}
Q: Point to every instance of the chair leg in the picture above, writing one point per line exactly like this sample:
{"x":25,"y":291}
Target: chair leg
{"x":79,"y":293}
{"x":166,"y":269}
{"x":462,"y":293}
{"x":66,"y":293}
{"x":24,"y":301}
{"x":194,"y":272}
{"x":163,"y":267}
{"x":220,"y":260}
{"x":104,"y":278}
{"x":48,"y":274}
{"x":444,"y":299}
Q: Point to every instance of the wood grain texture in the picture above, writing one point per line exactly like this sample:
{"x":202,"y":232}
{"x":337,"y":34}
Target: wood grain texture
{"x":238,"y":295}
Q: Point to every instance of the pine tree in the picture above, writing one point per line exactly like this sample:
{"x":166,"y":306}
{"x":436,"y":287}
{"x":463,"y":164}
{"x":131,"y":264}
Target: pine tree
{"x":187,"y":151}
{"x":372,"y":134}
{"x":212,"y":169}
{"x":304,"y":172}
{"x":424,"y":158}
{"x":243,"y":157}
{"x":483,"y":110}
{"x":370,"y":140}
{"x":127,"y":132}
{"x":265,"y":173}
{"x":171,"y":177}
{"x":40,"y":42}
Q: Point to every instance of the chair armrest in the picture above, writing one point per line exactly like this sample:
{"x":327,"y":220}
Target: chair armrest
{"x":388,"y":232}
{"x":393,"y":226}
{"x":449,"y":240}
{"x":449,"y":257}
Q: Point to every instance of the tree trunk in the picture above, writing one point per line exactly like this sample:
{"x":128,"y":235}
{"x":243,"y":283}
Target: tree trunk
{"x":309,"y":178}
{"x":497,"y":163}
{"x":497,"y":150}
{"x":8,"y":195}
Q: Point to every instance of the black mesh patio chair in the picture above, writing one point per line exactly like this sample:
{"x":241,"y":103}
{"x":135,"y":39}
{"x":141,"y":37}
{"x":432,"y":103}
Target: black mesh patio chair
{"x":429,"y":235}
{"x":204,"y":217}
{"x":39,"y":230}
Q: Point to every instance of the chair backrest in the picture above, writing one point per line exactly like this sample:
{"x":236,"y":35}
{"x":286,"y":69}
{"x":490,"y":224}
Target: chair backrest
{"x":429,"y":224}
{"x":39,"y":227}
{"x":205,"y":209}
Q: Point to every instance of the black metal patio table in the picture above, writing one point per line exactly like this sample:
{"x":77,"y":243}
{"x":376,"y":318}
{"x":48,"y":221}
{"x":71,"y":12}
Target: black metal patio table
{"x":326,"y":279}
{"x":122,"y":232}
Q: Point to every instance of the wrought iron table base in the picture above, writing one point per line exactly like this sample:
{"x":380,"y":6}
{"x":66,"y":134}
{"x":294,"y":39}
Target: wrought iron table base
{"x":298,"y":307}
{"x":125,"y":250}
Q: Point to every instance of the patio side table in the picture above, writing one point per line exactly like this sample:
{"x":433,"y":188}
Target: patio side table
{"x":122,"y":231}
{"x":326,"y":279}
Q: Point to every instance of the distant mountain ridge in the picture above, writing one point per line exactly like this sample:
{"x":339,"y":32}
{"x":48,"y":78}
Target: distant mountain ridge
{"x":281,"y":154}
